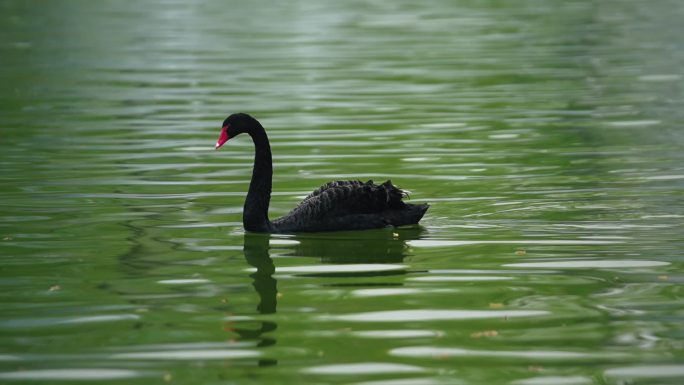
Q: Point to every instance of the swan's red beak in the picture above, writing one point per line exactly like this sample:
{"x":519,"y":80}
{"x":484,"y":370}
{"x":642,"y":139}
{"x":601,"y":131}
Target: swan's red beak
{"x":223,"y":138}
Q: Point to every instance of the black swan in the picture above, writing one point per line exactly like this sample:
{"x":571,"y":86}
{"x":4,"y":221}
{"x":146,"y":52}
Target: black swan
{"x":335,"y":206}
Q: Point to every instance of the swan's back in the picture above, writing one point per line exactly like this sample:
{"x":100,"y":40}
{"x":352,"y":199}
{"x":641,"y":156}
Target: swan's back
{"x":351,"y":205}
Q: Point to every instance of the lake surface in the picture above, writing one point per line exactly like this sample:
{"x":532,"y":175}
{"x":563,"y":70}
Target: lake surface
{"x":547,"y":137}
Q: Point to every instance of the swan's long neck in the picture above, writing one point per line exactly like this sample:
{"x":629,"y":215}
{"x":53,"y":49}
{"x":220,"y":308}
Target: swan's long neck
{"x":255,"y":214}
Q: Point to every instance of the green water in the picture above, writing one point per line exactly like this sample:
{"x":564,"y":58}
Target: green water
{"x":547,"y":136}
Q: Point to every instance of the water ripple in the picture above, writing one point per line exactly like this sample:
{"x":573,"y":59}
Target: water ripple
{"x":337,"y":269}
{"x":589,"y":264}
{"x":555,"y":380}
{"x":551,"y":355}
{"x":217,"y":354}
{"x":556,"y":242}
{"x":363,"y":369}
{"x":381,"y":292}
{"x":433,"y":315}
{"x":646,"y":371}
{"x":469,"y":278}
{"x":72,"y":374}
{"x":48,"y":322}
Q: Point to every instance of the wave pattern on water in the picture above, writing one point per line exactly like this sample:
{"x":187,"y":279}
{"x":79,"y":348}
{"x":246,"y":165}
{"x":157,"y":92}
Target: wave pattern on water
{"x":546,"y":136}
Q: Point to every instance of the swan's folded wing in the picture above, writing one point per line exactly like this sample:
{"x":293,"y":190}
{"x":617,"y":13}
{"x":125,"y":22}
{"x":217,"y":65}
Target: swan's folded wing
{"x":341,"y":198}
{"x":334,"y":185}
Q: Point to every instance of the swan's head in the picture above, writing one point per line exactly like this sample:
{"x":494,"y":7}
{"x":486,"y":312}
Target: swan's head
{"x":235,"y":125}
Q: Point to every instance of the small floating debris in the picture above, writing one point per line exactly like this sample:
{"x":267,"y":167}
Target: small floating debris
{"x":485,"y":333}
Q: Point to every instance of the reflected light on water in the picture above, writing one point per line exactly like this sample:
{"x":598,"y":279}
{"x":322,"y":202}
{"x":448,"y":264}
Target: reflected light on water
{"x":555,"y":380}
{"x":469,"y":278}
{"x":413,"y":381}
{"x":75,"y":374}
{"x":547,"y":137}
{"x":188,"y":355}
{"x":433,"y":315}
{"x":347,"y":268}
{"x":646,"y":371}
{"x":557,"y":242}
{"x":441,"y":352}
{"x":363,"y":368}
{"x":47,"y":322}
{"x":188,"y":281}
{"x":382,"y":334}
{"x":588,"y":264}
{"x":381,"y":292}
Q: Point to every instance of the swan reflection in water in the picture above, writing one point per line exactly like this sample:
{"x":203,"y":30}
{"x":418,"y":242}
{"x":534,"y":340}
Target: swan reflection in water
{"x":368,"y":247}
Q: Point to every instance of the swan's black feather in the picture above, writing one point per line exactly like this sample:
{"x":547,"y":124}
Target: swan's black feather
{"x":335,"y":206}
{"x":351,"y":204}
{"x":349,"y":197}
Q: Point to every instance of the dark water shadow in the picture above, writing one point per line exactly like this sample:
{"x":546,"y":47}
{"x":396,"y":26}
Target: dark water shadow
{"x":257,"y":255}
{"x":372,"y":246}
{"x":386,"y":246}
